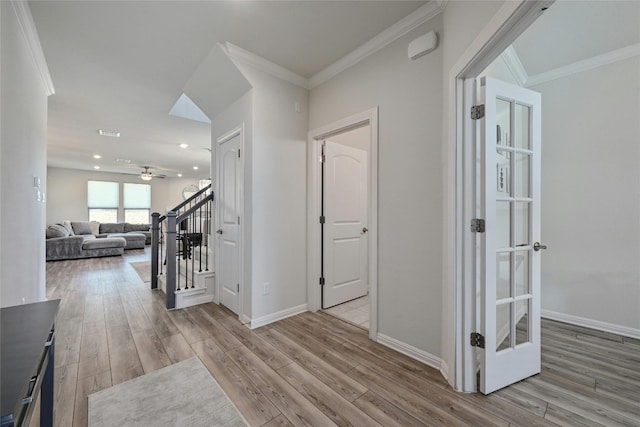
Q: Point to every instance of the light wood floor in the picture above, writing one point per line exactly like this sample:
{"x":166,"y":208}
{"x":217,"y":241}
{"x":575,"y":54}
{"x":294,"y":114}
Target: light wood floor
{"x":313,"y":369}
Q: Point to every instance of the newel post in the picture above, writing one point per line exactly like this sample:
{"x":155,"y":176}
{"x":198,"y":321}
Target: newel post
{"x":171,"y":260}
{"x":155,"y":239}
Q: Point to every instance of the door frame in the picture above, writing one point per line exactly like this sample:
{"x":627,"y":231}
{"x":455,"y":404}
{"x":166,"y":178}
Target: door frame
{"x":237,"y":131}
{"x":459,"y":291}
{"x":314,"y":204}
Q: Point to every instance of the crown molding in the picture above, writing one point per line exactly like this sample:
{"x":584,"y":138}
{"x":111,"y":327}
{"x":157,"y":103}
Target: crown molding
{"x":25,"y":20}
{"x":512,"y":61}
{"x":391,"y":34}
{"x":239,"y":55}
{"x":585,"y":65}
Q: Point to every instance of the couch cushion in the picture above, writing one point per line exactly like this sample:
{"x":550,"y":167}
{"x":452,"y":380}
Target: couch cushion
{"x":111,"y":228}
{"x":107,"y":242}
{"x":95,"y":227}
{"x":81,"y":227}
{"x":56,"y":230}
{"x":67,"y":224}
{"x":136,"y":227}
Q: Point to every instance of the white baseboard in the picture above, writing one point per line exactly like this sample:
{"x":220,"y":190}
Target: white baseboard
{"x":444,"y":370}
{"x":274,"y":317}
{"x":245,"y":319}
{"x":593,"y":324}
{"x":408,"y":350}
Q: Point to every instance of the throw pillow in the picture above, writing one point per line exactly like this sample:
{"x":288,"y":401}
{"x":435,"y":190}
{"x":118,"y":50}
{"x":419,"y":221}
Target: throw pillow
{"x":56,"y":230}
{"x":67,"y":224}
{"x":81,"y":227}
{"x":95,"y":227}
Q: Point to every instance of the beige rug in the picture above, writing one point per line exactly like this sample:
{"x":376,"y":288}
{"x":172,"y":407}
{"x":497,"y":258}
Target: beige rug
{"x":143,"y":268}
{"x":184,"y":394}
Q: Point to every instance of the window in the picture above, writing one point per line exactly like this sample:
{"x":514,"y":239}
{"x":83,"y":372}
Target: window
{"x":137,"y":203}
{"x":102,"y":199}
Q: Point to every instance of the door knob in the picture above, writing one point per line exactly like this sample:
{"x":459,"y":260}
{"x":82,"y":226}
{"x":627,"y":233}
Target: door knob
{"x":537,"y":246}
{"x":364,"y":230}
{"x":219,"y":231}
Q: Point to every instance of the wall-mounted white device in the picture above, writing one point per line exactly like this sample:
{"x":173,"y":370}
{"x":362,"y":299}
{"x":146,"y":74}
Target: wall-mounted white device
{"x":423,"y":45}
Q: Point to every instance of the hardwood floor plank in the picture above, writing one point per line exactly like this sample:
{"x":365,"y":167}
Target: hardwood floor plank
{"x":85,"y":387}
{"x":177,"y":348}
{"x":247,"y":397}
{"x":567,"y":418}
{"x":93,"y":308}
{"x":136,"y":316}
{"x":150,"y":350}
{"x":341,"y":384}
{"x":419,"y":408}
{"x":294,"y":406}
{"x":187,"y":327}
{"x":123,"y":355}
{"x":66,"y":378}
{"x":72,"y":306}
{"x":311,"y":343}
{"x":279,"y":421}
{"x":629,"y":393}
{"x":94,"y":350}
{"x":68,"y":339}
{"x":214,"y":330}
{"x":339,"y":410}
{"x":160,"y":320}
{"x":384,"y":412}
{"x":265,"y":351}
{"x":114,"y":311}
{"x":524,"y":400}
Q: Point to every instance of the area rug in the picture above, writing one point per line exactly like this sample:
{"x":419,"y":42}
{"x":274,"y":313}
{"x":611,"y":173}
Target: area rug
{"x":143,"y":268}
{"x":184,"y":394}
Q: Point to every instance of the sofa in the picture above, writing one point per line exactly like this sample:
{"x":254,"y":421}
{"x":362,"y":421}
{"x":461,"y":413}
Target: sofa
{"x":106,"y":229}
{"x":84,"y":239}
{"x":83,"y":246}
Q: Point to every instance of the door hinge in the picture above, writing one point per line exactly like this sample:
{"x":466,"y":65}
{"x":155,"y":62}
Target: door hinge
{"x":238,"y":153}
{"x":238,"y":288}
{"x":322,"y":281}
{"x":238,"y":220}
{"x":322,"y":219}
{"x":477,"y":112}
{"x":477,"y":340}
{"x":477,"y":225}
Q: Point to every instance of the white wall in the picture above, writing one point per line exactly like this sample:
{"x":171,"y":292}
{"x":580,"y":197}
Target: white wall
{"x":278,"y":193}
{"x":239,"y":114}
{"x":23,"y":137}
{"x":409,"y":96}
{"x":357,"y":138}
{"x":67,"y":197}
{"x":591,"y":194}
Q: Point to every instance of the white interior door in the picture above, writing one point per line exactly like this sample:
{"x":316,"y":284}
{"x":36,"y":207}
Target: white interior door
{"x":230,"y":176}
{"x":345,"y":201}
{"x":510,"y":257}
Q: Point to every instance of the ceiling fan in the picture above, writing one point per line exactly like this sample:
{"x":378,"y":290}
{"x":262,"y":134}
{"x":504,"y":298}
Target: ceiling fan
{"x":146,"y":174}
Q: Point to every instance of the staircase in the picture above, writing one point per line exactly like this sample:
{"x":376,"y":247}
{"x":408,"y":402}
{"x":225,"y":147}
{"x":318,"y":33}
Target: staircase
{"x":181,"y":258}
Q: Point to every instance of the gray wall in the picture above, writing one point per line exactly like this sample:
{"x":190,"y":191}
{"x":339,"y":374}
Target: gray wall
{"x":590,"y":194}
{"x":23,"y":156}
{"x":409,"y":96}
{"x":67,"y":198}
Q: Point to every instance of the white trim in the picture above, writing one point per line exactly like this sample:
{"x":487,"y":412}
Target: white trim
{"x":236,"y":131}
{"x":592,"y":324}
{"x":279,"y":315}
{"x":237,"y":54}
{"x":585,"y":65}
{"x":444,"y":370}
{"x":369,"y":117}
{"x":411,"y":351}
{"x":244,"y":319}
{"x":25,"y":20}
{"x":513,"y":63}
{"x":391,"y":34}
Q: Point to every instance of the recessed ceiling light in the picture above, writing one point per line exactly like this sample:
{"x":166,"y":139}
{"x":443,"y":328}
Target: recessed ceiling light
{"x":111,"y":133}
{"x":179,"y":175}
{"x":96,"y":167}
{"x":126,"y":161}
{"x":183,"y":145}
{"x":195,"y":168}
{"x":97,"y":156}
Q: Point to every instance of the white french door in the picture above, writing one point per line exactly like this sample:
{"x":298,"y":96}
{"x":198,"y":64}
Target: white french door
{"x":510,"y":249}
{"x":345,"y":208}
{"x":229,"y":212}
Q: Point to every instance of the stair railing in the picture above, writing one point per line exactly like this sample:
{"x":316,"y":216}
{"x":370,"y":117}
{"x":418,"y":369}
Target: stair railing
{"x":174,"y":239}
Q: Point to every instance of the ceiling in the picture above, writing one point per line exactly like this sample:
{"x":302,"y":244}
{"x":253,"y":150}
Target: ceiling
{"x":121,"y":66}
{"x":572,"y":31}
